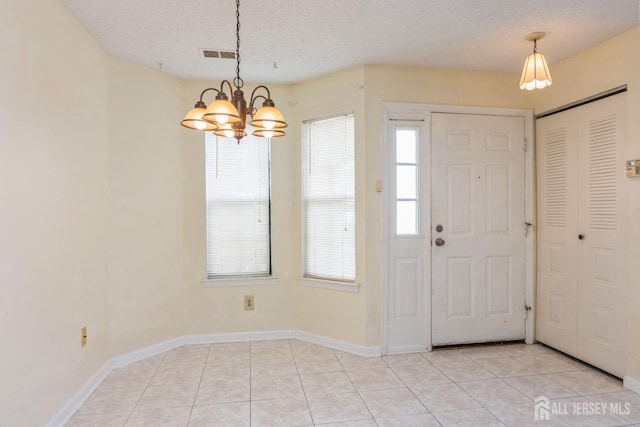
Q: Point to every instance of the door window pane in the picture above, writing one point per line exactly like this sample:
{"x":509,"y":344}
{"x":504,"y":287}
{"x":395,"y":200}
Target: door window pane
{"x":407,"y":214}
{"x":406,"y":182}
{"x":406,"y":146}
{"x":406,"y":218}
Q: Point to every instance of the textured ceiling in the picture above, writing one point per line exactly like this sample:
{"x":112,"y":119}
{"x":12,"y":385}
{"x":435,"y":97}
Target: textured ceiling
{"x":307,"y":38}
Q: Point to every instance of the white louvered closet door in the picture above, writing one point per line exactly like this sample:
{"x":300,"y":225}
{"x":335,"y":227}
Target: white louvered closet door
{"x":582,"y":222}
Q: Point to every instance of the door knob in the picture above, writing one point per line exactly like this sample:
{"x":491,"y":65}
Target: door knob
{"x":581,"y":236}
{"x":440,"y":241}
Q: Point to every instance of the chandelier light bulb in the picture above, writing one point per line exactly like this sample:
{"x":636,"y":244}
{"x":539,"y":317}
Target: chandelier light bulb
{"x":228,"y":133}
{"x":200,"y":125}
{"x":221,"y":118}
{"x":268,"y":124}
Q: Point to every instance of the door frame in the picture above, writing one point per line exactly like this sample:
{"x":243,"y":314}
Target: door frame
{"x":421,"y":114}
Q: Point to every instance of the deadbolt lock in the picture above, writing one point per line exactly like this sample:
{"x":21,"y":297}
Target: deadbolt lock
{"x":439,"y":228}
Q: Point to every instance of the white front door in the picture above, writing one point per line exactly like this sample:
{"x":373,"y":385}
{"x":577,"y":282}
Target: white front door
{"x":477,"y":228}
{"x":465,"y":167}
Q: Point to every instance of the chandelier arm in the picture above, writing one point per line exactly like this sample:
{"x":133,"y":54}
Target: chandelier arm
{"x":207,"y":90}
{"x":254,"y":97}
{"x":222,"y":87}
{"x":251,"y":109}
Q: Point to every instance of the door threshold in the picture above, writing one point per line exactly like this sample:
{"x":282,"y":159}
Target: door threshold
{"x":477,"y":344}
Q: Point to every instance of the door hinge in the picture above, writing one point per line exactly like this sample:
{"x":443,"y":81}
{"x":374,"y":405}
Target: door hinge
{"x":525,"y":145}
{"x":527,"y":307}
{"x":527,"y":228}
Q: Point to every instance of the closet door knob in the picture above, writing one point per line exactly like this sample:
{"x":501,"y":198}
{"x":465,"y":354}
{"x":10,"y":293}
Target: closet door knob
{"x":581,"y":236}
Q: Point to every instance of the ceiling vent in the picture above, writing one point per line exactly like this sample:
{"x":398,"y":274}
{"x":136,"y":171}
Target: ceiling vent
{"x":219,"y":54}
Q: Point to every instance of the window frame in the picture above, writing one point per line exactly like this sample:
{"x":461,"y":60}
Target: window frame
{"x":348,"y":284}
{"x":239,"y":278}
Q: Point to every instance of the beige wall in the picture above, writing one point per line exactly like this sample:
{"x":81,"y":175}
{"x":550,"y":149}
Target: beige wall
{"x":221,"y":309}
{"x":335,"y":314}
{"x":53,"y":209}
{"x":609,"y":65}
{"x":146,"y":300}
{"x":90,"y":213}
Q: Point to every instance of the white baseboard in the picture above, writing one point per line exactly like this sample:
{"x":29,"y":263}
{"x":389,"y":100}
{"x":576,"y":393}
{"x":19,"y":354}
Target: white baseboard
{"x":631,"y":384}
{"x":66,"y":412}
{"x":144,"y":353}
{"x":347,"y":347}
{"x":239,"y":337}
{"x":73,"y":404}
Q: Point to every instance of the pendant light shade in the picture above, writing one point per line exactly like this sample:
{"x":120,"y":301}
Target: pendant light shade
{"x":193,"y":119}
{"x":222,"y":111}
{"x":535,"y":74}
{"x":268,"y":117}
{"x":268,"y":133}
{"x":229,"y":130}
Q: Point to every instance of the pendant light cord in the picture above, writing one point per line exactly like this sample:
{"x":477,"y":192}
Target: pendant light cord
{"x":237,"y":82}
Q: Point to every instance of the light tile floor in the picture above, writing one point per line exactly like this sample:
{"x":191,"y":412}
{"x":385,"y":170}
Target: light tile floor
{"x":294,"y":383}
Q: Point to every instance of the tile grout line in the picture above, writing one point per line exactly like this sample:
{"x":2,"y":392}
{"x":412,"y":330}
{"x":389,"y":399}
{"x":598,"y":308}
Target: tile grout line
{"x":199,"y":384}
{"x":164,"y":355}
{"x":250,"y":381}
{"x":360,"y":395}
{"x":304,"y":393}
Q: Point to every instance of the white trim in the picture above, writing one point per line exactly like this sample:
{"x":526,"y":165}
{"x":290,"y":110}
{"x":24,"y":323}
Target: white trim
{"x":240,"y":281}
{"x":631,"y":384}
{"x":65,"y":413}
{"x":144,"y":353}
{"x":335,"y":285}
{"x":422,"y":112}
{"x":347,"y":347}
{"x":531,"y":238}
{"x":239,"y":337}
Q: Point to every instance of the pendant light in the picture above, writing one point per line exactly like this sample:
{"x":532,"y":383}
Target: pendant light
{"x":535,"y":74}
{"x":228,"y":118}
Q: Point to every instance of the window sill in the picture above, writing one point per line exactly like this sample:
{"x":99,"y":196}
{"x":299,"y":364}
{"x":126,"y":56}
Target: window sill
{"x":240,"y":281}
{"x":335,"y":285}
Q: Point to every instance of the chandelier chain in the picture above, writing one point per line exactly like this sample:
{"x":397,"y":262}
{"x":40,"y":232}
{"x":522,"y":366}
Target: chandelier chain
{"x":238,"y":81}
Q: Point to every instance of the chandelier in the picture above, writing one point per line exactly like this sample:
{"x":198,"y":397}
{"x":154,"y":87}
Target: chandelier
{"x":228,"y":118}
{"x":535,"y":74}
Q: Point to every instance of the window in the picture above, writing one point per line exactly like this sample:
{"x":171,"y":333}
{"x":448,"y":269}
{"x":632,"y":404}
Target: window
{"x":329,"y":198}
{"x":238,"y":206}
{"x":406,"y":182}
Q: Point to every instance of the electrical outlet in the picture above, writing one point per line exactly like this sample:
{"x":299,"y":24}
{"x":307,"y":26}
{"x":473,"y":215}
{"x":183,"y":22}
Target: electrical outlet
{"x":83,"y":339}
{"x":248,"y":302}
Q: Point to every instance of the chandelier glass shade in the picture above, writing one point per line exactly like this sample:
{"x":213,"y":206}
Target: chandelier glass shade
{"x":228,"y":118}
{"x":535,"y":74}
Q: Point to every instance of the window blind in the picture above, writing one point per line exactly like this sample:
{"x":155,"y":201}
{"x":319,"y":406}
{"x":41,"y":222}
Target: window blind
{"x":238,"y":206}
{"x":329,"y":198}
